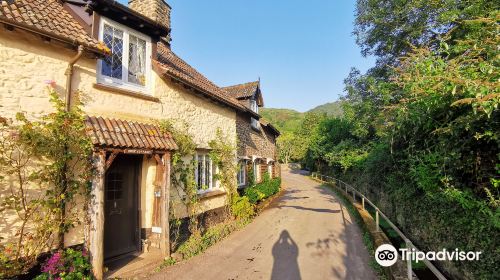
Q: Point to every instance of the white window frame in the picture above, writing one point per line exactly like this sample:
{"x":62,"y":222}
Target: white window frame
{"x":254,"y":106}
{"x":242,"y":174}
{"x":123,"y":83}
{"x":256,"y":171}
{"x":211,"y":183}
{"x":270,"y":170}
{"x":255,"y":123}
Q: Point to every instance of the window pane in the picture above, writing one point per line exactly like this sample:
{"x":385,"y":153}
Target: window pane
{"x":137,"y":61}
{"x":206,"y":175}
{"x":112,"y":64}
{"x":200,"y":172}
{"x":241,"y":173}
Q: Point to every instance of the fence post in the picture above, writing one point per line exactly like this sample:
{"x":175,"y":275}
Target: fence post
{"x":408,"y":261}
{"x":363,"y":202}
{"x":377,"y":219}
{"x":346,"y":188}
{"x":354,"y":195}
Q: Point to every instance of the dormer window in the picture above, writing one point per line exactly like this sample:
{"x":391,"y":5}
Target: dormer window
{"x":129,"y":65}
{"x":254,"y":122}
{"x":254,"y":106}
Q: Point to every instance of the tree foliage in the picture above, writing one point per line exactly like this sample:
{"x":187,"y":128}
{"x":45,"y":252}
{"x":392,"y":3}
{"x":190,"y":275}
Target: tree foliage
{"x":421,"y":130}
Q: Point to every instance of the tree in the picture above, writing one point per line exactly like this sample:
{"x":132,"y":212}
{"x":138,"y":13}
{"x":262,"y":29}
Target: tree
{"x":389,"y":29}
{"x":285,"y":147}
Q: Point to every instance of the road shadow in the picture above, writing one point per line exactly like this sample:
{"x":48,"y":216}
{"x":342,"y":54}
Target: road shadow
{"x":320,"y":210}
{"x":285,"y":254}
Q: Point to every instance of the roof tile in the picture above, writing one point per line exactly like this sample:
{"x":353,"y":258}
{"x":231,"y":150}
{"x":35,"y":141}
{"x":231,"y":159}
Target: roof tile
{"x":242,"y":90}
{"x":168,"y":63}
{"x":48,"y":16}
{"x":114,"y":133}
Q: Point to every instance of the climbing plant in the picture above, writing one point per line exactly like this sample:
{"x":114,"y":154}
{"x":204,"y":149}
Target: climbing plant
{"x":183,"y":168}
{"x":44,"y":166}
{"x":223,"y":155}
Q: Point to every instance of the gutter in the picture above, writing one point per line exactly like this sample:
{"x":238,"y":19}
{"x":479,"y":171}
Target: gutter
{"x":50,"y":35}
{"x":69,"y":75}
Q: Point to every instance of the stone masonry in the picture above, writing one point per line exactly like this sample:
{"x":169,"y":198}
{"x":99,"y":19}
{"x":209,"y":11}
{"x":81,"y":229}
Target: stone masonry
{"x":156,"y":10}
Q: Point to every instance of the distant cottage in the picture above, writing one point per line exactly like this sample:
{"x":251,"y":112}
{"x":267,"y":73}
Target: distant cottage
{"x":125,"y":66}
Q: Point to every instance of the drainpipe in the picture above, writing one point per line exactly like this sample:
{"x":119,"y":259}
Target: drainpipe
{"x":69,"y":75}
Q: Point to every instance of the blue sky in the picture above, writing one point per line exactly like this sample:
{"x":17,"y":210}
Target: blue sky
{"x":301,"y":50}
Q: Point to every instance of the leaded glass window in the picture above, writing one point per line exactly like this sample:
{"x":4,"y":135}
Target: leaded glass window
{"x":137,"y":61}
{"x":112,"y":64}
{"x":129,"y":64}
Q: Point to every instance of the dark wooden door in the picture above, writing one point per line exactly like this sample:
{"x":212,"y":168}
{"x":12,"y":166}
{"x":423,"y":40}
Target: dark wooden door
{"x":121,"y":232}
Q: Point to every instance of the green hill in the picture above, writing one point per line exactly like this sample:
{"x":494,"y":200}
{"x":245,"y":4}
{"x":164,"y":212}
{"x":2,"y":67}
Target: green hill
{"x":282,"y":119}
{"x":333,"y":109}
{"x":287,"y":120}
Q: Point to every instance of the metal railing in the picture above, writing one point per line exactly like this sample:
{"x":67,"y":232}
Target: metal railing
{"x":344,"y":186}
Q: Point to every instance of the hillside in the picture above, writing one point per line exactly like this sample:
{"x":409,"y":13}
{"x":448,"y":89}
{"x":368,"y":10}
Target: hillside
{"x":333,"y":109}
{"x":282,"y":119}
{"x":287,"y":120}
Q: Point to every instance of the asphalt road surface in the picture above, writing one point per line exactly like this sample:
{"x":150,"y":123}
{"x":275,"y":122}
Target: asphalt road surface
{"x":304,"y":234}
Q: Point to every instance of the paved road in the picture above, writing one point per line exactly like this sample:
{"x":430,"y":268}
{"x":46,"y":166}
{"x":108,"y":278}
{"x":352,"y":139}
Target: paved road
{"x":305,"y":234}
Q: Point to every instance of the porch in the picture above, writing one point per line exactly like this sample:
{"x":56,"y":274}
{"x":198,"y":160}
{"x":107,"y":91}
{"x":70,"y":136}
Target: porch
{"x":128,"y":211}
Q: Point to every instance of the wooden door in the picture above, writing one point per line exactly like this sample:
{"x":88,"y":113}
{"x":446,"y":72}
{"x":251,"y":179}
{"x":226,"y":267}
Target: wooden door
{"x":121,"y":231}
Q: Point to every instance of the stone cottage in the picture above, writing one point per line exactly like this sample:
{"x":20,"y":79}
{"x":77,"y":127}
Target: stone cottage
{"x":120,"y":59}
{"x":256,"y":137}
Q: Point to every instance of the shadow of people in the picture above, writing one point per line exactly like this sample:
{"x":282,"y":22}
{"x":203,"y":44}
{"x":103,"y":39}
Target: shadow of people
{"x":285,"y":253}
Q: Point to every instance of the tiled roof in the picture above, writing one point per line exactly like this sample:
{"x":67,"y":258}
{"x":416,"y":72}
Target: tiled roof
{"x":265,"y":123}
{"x":242,"y":90}
{"x":113,"y":133}
{"x":168,"y":63}
{"x":48,"y":17}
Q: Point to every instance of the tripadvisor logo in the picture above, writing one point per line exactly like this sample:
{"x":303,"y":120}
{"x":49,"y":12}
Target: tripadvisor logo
{"x":387,"y":255}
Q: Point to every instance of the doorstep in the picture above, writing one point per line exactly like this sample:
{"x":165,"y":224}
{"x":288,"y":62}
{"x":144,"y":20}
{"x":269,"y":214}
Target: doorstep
{"x":134,"y":265}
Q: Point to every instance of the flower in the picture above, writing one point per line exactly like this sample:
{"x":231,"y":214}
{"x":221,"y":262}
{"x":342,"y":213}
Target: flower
{"x":50,"y":83}
{"x":52,"y":264}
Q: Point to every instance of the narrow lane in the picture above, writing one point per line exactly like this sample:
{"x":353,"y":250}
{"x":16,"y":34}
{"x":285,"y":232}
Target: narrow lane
{"x":305,"y":234}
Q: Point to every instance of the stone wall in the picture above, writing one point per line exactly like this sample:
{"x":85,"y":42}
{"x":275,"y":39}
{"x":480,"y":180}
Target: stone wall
{"x":260,"y":143}
{"x":157,"y":10}
{"x":26,"y":62}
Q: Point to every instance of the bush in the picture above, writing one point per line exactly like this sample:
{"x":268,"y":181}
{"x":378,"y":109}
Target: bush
{"x":254,"y":195}
{"x":267,"y":188}
{"x":67,"y":265}
{"x":242,"y":208}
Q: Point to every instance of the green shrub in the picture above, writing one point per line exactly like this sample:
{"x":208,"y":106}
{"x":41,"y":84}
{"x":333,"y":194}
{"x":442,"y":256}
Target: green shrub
{"x":263,"y":190}
{"x":242,"y":208}
{"x":254,"y":195}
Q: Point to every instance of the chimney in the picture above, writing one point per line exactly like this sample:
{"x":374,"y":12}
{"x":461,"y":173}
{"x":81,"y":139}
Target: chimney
{"x":157,"y":10}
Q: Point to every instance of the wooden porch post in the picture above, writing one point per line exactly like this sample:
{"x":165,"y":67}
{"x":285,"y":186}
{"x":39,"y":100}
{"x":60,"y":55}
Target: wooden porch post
{"x":96,"y":213}
{"x":165,"y":206}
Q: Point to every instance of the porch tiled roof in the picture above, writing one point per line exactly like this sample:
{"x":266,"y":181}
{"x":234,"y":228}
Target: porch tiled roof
{"x":114,"y":133}
{"x":49,"y":18}
{"x":242,"y":90}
